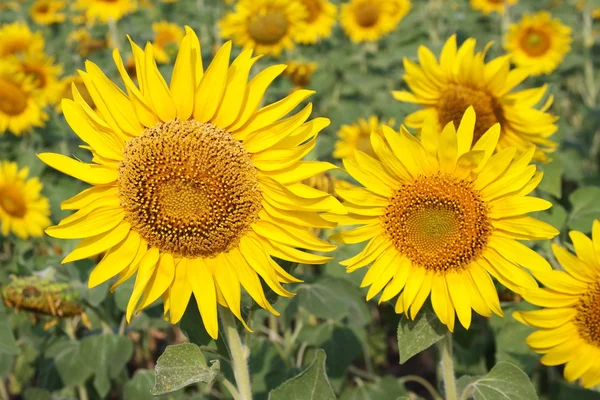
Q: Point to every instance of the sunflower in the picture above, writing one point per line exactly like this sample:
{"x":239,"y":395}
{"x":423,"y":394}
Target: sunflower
{"x":166,"y":38}
{"x":105,"y":10}
{"x":17,"y":38}
{"x":569,"y":328}
{"x":67,"y":91}
{"x":86,"y":44}
{"x":23,"y":210}
{"x":195,"y":187}
{"x":19,"y":109}
{"x":538,"y":42}
{"x":299,"y":73}
{"x":441,"y":216}
{"x":489,"y":6}
{"x":357,"y":136}
{"x":47,"y":12}
{"x":44,"y":73}
{"x":369,"y":20}
{"x":320,"y":19}
{"x":267,"y":26}
{"x":462,"y":79}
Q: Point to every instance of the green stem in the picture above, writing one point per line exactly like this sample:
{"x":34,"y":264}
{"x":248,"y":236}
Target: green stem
{"x":238,"y":356}
{"x":588,"y":66}
{"x":83,"y":394}
{"x":3,"y":391}
{"x":447,"y":366}
{"x":113,"y":31}
{"x":505,"y":23}
{"x":231,"y":388}
{"x":423,"y":382}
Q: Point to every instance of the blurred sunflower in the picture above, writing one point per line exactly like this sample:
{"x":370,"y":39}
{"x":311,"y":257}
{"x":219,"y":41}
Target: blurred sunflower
{"x":195,"y":187}
{"x":67,"y":91}
{"x":17,"y":38}
{"x":369,"y":20}
{"x":299,"y":73}
{"x":441,"y":216}
{"x":357,"y":136}
{"x":47,"y":12}
{"x":105,"y":10}
{"x":539,"y":42}
{"x":320,"y":19}
{"x":167,"y":37}
{"x":19,"y":109}
{"x":23,"y":210}
{"x":489,"y":6}
{"x":399,"y":9}
{"x":568,"y":323}
{"x":267,"y":26}
{"x":44,"y":74}
{"x":461,"y":79}
{"x":85,"y":42}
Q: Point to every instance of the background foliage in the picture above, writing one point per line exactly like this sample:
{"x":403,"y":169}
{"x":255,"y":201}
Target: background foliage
{"x":328,"y":339}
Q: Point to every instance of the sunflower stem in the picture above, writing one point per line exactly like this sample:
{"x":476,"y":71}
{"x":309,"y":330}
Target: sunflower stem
{"x":3,"y":391}
{"x":588,"y":66}
{"x":447,"y":366}
{"x":113,"y":32}
{"x":239,"y":361}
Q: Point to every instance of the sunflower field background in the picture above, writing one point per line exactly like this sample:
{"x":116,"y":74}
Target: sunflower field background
{"x":60,"y":339}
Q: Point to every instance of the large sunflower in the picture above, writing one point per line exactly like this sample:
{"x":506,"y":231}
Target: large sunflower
{"x":369,"y":20}
{"x":267,"y":26}
{"x":17,"y":38}
{"x":44,"y":74}
{"x":462,"y":79}
{"x":489,"y":6}
{"x":539,"y":42}
{"x":320,"y":19}
{"x":195,"y":187}
{"x":23,"y":210}
{"x":47,"y":12}
{"x":569,"y":323}
{"x":441,"y":216}
{"x":19,"y":108}
{"x":105,"y":10}
{"x":357,"y":136}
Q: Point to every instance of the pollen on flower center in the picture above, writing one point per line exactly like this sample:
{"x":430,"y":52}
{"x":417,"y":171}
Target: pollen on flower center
{"x":268,"y":28}
{"x":12,"y":202}
{"x":535,"y":42}
{"x":439,"y":222}
{"x":455,"y":100}
{"x":189,"y":188}
{"x":587,"y":319}
{"x":13,"y":100}
{"x":367,"y":14}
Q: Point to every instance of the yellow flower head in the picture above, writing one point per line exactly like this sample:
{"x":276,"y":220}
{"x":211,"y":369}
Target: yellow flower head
{"x":267,"y":26}
{"x":86,"y":43}
{"x":369,"y":20}
{"x":462,"y":79}
{"x":47,"y":12}
{"x":300,"y":73}
{"x":105,"y":10}
{"x":19,"y":108}
{"x":167,"y":37}
{"x":357,"y":136}
{"x":44,"y":74}
{"x":23,"y":210}
{"x":489,"y":6}
{"x":195,"y":185}
{"x":320,"y":19}
{"x":67,"y":91}
{"x":440,"y":216}
{"x":17,"y":38}
{"x":569,"y":322}
{"x":538,"y":42}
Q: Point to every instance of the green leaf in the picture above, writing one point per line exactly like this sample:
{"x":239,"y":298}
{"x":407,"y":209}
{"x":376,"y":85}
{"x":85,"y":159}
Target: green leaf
{"x":385,"y":388}
{"x":71,"y":367}
{"x":36,"y":394}
{"x":504,"y":381}
{"x":418,"y":335}
{"x":8,"y":344}
{"x":182,"y":365}
{"x":311,"y":384}
{"x":140,"y":386}
{"x":332,"y":298}
{"x":552,"y":181}
{"x":6,"y":364}
{"x":586,"y":208}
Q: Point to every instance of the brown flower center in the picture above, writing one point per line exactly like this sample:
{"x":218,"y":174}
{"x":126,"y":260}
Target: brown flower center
{"x":268,"y":28}
{"x":42,"y":8}
{"x":438,"y":222}
{"x":367,"y":14}
{"x":587,"y":319}
{"x":314,"y":9}
{"x":13,"y":101}
{"x":189,"y":188}
{"x":535,"y":42}
{"x":455,"y":100}
{"x":37,"y":73}
{"x":12,"y":201}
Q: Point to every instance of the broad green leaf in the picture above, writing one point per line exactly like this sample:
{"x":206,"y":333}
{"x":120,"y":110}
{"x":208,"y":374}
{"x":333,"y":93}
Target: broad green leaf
{"x":504,"y":381}
{"x":6,"y":364}
{"x":562,"y":390}
{"x":70,"y":364}
{"x":418,"y":335}
{"x":140,"y":385}
{"x":182,"y":365}
{"x":385,"y":388}
{"x":311,"y":384}
{"x":586,"y":208}
{"x":552,"y":181}
{"x":36,"y":394}
{"x":8,"y":344}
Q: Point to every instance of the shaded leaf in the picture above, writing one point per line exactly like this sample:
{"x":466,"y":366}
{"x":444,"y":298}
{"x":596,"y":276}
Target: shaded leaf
{"x":418,"y":335}
{"x":8,"y":344}
{"x":504,"y":381}
{"x":586,"y":208}
{"x":69,"y":362}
